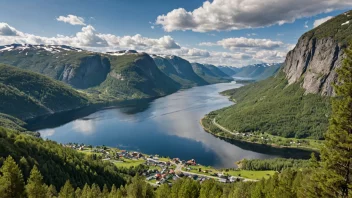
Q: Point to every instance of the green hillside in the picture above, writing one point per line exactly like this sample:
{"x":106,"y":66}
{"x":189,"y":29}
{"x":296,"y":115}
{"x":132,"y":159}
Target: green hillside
{"x":179,"y":70}
{"x":26,"y":94}
{"x":81,"y":69}
{"x":272,"y":106}
{"x":134,"y":76}
{"x":57,"y":163}
{"x":210,"y":73}
{"x":333,"y":28}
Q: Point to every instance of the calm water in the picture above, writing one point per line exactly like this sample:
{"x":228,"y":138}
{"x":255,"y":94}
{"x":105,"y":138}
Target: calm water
{"x":167,"y":126}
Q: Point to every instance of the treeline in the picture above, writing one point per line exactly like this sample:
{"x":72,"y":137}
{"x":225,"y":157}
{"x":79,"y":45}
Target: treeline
{"x":58,"y":164}
{"x":277,"y":164}
{"x":287,"y":184}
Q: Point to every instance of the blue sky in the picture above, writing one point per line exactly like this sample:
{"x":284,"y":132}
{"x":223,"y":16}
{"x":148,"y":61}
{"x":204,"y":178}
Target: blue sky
{"x":233,"y":35}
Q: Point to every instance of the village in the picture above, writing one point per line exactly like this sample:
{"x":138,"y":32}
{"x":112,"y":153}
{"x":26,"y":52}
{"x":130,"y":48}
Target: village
{"x":160,"y":170}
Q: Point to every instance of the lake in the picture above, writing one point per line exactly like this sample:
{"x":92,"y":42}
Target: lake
{"x":167,"y":126}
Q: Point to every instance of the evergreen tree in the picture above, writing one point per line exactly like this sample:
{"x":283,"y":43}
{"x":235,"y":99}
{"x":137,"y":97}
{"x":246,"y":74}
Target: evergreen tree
{"x":35,"y":187}
{"x":78,"y":192}
{"x":86,"y":191}
{"x":67,"y":191}
{"x":95,"y":191}
{"x":113,"y":192}
{"x":163,"y":191}
{"x":51,"y":192}
{"x":336,"y":174}
{"x":11,"y":180}
{"x":105,"y":192}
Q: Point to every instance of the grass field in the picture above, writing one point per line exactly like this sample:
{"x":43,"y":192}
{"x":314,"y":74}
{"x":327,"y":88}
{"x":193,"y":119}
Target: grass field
{"x":240,"y":173}
{"x":128,"y":163}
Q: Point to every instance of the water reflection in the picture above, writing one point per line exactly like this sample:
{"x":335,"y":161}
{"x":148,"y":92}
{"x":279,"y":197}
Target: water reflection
{"x":167,"y":126}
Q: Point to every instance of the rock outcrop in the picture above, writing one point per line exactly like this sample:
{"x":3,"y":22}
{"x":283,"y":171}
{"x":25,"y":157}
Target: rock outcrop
{"x":314,"y":61}
{"x":317,"y":55}
{"x":91,"y":71}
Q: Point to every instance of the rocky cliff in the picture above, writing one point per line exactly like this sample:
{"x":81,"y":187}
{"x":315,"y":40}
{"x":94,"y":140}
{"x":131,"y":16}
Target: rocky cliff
{"x":317,"y":55}
{"x":91,"y":71}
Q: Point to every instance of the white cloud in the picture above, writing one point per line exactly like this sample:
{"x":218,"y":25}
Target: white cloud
{"x":71,"y":19}
{"x":6,"y":30}
{"x":152,"y":27}
{"x":321,"y":21}
{"x":250,"y":50}
{"x":306,"y":24}
{"x":138,"y":42}
{"x":220,"y":15}
{"x":242,"y":42}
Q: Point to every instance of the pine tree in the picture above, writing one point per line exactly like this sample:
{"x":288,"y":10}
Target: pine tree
{"x":105,"y":192}
{"x":78,"y":192}
{"x":11,"y":180}
{"x":113,"y":192}
{"x":86,"y":191}
{"x":163,"y":191}
{"x":67,"y":191}
{"x":51,"y":192}
{"x":35,"y":187}
{"x":95,"y":191}
{"x":336,"y":174}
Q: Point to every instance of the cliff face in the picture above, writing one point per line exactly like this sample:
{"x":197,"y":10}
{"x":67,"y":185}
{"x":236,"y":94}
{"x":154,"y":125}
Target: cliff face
{"x":92,"y":71}
{"x":317,"y":55}
{"x":314,"y":61}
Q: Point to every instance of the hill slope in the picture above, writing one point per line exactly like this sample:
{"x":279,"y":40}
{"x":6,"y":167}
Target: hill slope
{"x":294,"y":103}
{"x":179,"y":70}
{"x":272,"y":106}
{"x":26,"y":94}
{"x":210,"y":73}
{"x":76,"y":67}
{"x":134,"y":75}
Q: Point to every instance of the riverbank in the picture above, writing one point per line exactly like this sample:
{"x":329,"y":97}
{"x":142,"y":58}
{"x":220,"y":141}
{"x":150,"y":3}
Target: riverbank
{"x":209,"y":124}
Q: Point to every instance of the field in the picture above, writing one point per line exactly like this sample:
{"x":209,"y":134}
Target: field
{"x":238,"y":173}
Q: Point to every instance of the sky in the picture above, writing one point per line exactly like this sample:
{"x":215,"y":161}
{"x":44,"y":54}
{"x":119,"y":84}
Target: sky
{"x":220,"y":32}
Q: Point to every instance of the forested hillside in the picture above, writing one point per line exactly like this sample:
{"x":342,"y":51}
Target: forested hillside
{"x":27,"y":94}
{"x":272,"y":106}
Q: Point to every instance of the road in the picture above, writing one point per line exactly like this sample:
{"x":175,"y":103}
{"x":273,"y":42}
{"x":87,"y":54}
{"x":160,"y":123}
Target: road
{"x":223,"y":128}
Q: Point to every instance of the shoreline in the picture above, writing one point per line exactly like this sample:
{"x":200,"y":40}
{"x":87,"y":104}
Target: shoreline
{"x":230,"y":139}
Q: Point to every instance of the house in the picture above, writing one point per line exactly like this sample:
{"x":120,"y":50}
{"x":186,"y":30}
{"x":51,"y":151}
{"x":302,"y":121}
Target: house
{"x":157,"y":176}
{"x":191,"y":162}
{"x":171,"y":171}
{"x":223,"y":180}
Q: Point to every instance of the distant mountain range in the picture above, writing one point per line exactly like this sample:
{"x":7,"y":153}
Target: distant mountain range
{"x":27,"y":70}
{"x":255,"y":72}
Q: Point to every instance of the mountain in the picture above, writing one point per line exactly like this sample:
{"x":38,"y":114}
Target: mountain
{"x":258,"y":71}
{"x":27,"y":94}
{"x":317,"y":55}
{"x":119,"y":75}
{"x":295,"y":101}
{"x":210,"y":73}
{"x":79,"y":68}
{"x":134,"y":75}
{"x":230,"y":71}
{"x":178,"y":69}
